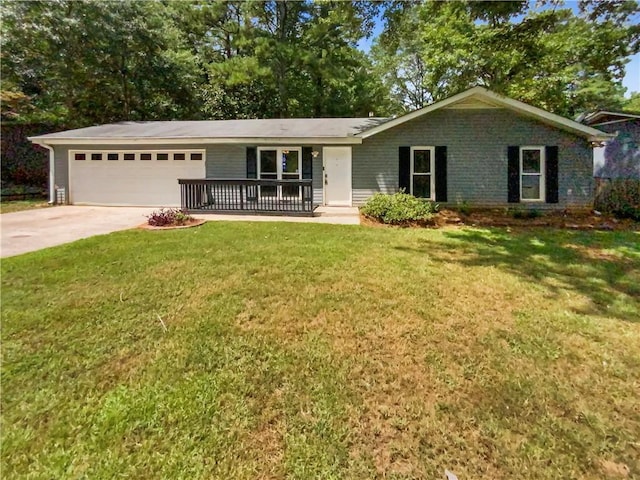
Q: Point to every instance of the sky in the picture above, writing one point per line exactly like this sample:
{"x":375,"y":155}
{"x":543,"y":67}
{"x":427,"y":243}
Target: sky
{"x":632,"y":71}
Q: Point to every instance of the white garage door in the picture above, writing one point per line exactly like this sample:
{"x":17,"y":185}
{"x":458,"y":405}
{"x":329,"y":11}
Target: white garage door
{"x":132,"y":178}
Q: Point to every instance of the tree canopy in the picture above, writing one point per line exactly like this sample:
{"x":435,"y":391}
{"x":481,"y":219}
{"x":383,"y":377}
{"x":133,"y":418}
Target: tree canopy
{"x":82,"y":62}
{"x":545,"y":54}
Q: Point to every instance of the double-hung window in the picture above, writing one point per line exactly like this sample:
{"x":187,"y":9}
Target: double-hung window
{"x":422,"y":172}
{"x":532,"y":167}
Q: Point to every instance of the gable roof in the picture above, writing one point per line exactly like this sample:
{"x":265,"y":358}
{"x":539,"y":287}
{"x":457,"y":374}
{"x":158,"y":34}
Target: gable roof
{"x":337,"y":130}
{"x":480,"y":97}
{"x":299,"y":130}
{"x":603,"y":117}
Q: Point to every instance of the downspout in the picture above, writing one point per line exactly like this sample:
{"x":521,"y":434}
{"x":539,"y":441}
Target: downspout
{"x":52,"y":177}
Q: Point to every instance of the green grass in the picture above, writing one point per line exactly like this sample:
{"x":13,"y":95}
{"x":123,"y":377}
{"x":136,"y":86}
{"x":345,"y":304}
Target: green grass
{"x":314,"y":351}
{"x":20,"y":205}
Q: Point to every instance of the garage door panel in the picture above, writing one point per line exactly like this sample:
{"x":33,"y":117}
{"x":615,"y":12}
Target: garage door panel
{"x":131,"y":182}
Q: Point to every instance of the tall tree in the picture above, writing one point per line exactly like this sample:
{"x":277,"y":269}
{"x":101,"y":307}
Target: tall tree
{"x":549,"y":56}
{"x":91,"y":62}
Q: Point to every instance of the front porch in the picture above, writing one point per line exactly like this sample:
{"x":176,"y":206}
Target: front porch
{"x":247,"y":196}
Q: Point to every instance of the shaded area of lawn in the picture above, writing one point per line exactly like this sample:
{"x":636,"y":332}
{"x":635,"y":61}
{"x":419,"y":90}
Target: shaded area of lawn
{"x":20,"y":205}
{"x":295,"y":350}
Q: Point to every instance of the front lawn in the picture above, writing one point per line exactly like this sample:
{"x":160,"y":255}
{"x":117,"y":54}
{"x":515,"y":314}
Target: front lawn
{"x":271,"y":350}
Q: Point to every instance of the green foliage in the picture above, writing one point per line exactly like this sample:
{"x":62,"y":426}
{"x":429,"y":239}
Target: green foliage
{"x":632,"y":104}
{"x":168,"y":217}
{"x":621,"y":197}
{"x":524,"y":213}
{"x":82,"y":62}
{"x":464,"y":207}
{"x":399,"y":208}
{"x":23,"y":164}
{"x":544,"y":55}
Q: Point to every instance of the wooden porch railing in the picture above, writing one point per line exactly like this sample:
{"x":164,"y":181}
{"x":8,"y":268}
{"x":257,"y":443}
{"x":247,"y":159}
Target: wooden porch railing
{"x":278,"y":197}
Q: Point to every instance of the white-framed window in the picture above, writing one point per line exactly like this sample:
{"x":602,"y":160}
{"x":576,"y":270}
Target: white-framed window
{"x":423,"y":183}
{"x":279,"y":163}
{"x":532,"y":177}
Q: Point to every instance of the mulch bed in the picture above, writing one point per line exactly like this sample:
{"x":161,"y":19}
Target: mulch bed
{"x":193,"y":223}
{"x":500,"y":218}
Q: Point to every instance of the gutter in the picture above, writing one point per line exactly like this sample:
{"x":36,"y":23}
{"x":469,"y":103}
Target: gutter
{"x":348,"y":140}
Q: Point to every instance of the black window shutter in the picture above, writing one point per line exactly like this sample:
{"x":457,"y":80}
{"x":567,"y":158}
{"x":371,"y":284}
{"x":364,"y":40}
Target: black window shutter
{"x":513,"y":156}
{"x":252,"y":162}
{"x":551,"y":174}
{"x":307,"y":162}
{"x":307,"y":170}
{"x":404,"y":169}
{"x":441,"y":174}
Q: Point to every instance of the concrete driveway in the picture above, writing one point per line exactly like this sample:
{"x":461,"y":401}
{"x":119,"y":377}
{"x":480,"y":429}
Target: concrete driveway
{"x":32,"y":230}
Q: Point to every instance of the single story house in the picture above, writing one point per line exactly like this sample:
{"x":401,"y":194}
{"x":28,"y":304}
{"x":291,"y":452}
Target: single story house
{"x":476,"y":147}
{"x":619,"y":157}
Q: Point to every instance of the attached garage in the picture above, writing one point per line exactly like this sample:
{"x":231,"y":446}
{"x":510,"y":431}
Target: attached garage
{"x":131,"y":178}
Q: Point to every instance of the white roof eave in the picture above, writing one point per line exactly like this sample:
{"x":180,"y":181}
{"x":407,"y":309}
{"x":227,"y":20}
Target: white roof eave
{"x":44,"y":140}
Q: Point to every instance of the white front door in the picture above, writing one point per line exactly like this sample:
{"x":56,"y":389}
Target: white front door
{"x":337,"y":176}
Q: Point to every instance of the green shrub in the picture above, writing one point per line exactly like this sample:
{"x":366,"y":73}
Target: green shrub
{"x":627,"y":211}
{"x":620,"y":197}
{"x":524,"y":212}
{"x":464,"y":207}
{"x":399,"y":208}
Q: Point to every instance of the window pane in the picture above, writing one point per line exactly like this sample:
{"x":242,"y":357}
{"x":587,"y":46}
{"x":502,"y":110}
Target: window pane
{"x":80,"y":156}
{"x":112,"y":156}
{"x":268,"y":190}
{"x":96,"y":156}
{"x":268,"y":161}
{"x":422,"y":161}
{"x":531,"y":161}
{"x":290,"y":161}
{"x":531,"y":187}
{"x":129,"y":156}
{"x":145,"y":156}
{"x":178,"y":156}
{"x":196,"y":156}
{"x":162,"y":156}
{"x":422,"y":186}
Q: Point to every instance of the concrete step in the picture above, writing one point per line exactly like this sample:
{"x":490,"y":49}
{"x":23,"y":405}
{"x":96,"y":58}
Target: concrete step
{"x":336,"y":212}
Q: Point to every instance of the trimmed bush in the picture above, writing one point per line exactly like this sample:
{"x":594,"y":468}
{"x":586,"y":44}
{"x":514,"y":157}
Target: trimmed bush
{"x":399,"y":208}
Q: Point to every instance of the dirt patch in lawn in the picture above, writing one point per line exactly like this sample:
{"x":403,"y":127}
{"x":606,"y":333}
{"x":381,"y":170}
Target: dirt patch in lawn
{"x":504,"y":218}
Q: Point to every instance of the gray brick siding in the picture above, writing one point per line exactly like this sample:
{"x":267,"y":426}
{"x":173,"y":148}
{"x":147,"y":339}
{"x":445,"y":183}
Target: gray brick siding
{"x":476,"y":142}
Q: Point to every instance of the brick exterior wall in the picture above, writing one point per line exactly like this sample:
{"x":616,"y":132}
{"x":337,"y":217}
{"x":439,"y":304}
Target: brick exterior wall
{"x":476,"y":142}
